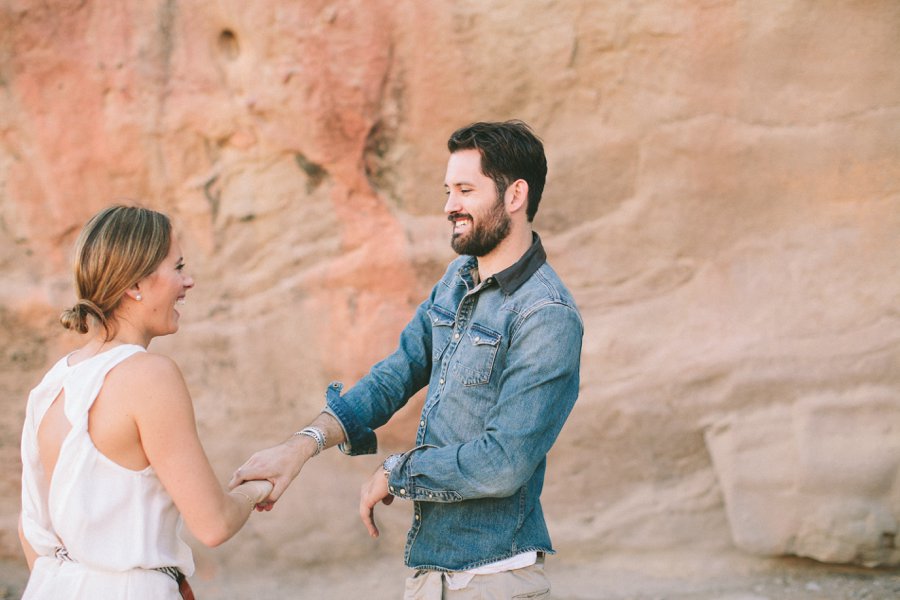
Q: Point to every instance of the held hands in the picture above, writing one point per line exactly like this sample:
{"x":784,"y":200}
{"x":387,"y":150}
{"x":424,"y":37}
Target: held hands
{"x":373,"y":491}
{"x":255,"y":491}
{"x":279,"y":465}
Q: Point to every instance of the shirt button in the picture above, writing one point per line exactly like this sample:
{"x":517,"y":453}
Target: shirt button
{"x":417,"y":517}
{"x":456,"y":336}
{"x":441,"y":381}
{"x":477,"y":338}
{"x":402,"y":491}
{"x":391,"y":488}
{"x":421,"y":423}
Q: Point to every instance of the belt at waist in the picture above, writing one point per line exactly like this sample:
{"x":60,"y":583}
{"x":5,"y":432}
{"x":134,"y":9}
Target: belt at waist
{"x":174,"y":572}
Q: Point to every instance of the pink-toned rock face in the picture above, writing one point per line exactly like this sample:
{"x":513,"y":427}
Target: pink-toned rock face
{"x":722,"y":200}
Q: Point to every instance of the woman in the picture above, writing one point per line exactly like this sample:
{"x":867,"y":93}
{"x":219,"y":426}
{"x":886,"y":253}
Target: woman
{"x":111,"y":458}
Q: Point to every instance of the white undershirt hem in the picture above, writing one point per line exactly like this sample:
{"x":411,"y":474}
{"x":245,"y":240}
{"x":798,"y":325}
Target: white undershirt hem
{"x":458,"y":580}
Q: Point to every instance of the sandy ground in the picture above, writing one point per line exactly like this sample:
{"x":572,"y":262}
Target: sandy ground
{"x":725,"y":576}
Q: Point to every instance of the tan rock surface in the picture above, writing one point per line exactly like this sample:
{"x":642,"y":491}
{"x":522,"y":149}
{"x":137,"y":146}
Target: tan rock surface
{"x":723,"y":201}
{"x":818,"y":478}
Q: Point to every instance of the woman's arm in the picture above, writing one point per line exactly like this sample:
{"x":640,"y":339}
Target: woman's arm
{"x":30,"y":554}
{"x":161,"y":406}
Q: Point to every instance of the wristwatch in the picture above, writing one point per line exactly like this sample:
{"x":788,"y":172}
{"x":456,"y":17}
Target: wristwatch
{"x":390,"y":462}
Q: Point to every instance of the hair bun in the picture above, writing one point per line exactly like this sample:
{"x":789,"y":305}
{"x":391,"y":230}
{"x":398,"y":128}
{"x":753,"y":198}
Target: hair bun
{"x":77,"y":317}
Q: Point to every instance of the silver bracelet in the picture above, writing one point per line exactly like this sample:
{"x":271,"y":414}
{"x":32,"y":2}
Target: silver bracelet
{"x":316,"y":434}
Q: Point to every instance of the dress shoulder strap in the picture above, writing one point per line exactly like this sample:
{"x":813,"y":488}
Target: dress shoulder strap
{"x":86,"y":378}
{"x":41,"y":396}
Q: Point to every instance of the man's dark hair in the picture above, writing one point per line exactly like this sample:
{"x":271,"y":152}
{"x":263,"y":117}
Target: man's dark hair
{"x":509,"y":151}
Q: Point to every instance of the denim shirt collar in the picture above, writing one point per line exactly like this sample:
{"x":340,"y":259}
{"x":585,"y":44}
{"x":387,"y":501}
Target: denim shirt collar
{"x":512,"y":277}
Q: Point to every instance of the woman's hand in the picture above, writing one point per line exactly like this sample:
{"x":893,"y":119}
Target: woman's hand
{"x":256,"y":491}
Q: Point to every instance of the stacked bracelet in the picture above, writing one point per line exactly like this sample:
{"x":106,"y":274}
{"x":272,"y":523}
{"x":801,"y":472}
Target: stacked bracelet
{"x":316,"y":434}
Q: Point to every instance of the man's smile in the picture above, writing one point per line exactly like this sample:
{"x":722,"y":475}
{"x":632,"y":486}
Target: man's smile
{"x":461,"y":221}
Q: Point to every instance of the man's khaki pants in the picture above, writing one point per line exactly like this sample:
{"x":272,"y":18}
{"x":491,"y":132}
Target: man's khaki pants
{"x":528,"y":582}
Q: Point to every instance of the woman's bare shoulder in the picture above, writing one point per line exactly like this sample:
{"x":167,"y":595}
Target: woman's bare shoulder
{"x":146,"y":374}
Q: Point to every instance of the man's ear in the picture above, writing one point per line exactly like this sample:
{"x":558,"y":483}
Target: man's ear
{"x":516,"y":197}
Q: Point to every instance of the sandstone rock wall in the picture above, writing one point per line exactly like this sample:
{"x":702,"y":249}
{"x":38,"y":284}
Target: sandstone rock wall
{"x":723,"y":200}
{"x":817,"y":478}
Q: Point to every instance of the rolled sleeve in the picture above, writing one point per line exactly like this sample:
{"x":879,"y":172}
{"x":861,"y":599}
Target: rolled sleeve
{"x":386,"y":388}
{"x":360,"y":439}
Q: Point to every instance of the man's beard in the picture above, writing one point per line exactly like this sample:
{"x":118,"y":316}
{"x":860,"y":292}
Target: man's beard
{"x":483,"y":237}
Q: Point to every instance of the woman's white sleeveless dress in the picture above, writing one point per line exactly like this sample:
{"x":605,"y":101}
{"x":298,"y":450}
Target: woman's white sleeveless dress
{"x":100,"y":530}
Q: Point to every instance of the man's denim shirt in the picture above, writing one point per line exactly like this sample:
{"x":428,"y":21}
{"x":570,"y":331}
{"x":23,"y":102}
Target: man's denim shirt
{"x":501,"y":360}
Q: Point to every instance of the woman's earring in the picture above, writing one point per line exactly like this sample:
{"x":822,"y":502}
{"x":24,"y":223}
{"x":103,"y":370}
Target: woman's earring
{"x":138,"y":298}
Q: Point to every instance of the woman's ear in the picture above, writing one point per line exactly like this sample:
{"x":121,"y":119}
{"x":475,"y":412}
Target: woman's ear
{"x":516,"y":196}
{"x":134,"y":292}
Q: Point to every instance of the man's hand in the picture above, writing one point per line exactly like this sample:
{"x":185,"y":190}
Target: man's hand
{"x":279,"y":464}
{"x":373,"y":491}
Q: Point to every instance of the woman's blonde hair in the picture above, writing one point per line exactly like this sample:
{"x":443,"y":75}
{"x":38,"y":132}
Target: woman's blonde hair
{"x":118,"y":247}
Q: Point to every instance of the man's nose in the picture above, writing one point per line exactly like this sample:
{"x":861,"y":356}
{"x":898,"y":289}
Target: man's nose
{"x":452,"y":205}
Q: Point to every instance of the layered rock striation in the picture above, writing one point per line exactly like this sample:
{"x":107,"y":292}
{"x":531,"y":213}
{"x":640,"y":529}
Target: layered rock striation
{"x":723,"y":201}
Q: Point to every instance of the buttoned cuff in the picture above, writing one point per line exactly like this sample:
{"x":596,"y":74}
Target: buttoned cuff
{"x":402,"y":482}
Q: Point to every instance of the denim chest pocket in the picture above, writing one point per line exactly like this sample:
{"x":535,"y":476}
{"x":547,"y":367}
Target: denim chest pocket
{"x":441,"y":329}
{"x":476,"y":355}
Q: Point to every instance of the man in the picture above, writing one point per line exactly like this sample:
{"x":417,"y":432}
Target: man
{"x":498,"y":343}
